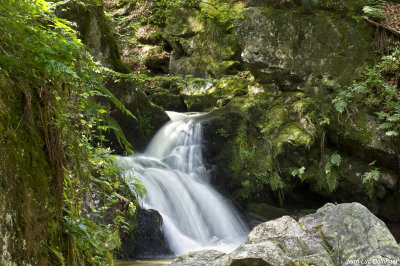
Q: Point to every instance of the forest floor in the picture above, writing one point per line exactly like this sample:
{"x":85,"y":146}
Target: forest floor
{"x":392,"y":14}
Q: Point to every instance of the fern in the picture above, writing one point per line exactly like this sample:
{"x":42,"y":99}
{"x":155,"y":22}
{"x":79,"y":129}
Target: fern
{"x":339,"y":104}
{"x":369,"y":180}
{"x":299,"y":172}
{"x":374,"y":9}
{"x":118,"y":104}
{"x":374,"y":12}
{"x":336,"y":159}
{"x":332,"y":181}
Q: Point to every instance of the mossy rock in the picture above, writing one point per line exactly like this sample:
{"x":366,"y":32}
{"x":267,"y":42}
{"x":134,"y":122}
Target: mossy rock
{"x":29,"y":200}
{"x":148,"y":34}
{"x":155,"y":58}
{"x":149,"y":116}
{"x":196,"y":50}
{"x":288,"y":48}
{"x":94,"y":30}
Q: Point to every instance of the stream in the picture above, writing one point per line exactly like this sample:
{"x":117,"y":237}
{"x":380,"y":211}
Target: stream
{"x":172,"y":169}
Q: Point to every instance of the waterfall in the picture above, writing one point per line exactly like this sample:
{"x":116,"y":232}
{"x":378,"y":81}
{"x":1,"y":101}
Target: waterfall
{"x":172,"y":169}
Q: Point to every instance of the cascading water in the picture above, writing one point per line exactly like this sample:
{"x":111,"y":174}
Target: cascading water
{"x":195,"y":216}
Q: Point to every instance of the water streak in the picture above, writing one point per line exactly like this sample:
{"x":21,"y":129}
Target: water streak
{"x":173,"y":172}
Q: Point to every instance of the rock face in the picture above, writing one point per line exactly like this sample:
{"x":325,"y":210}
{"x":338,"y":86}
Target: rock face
{"x":198,"y":48}
{"x":334,"y":235}
{"x":94,"y":30}
{"x":147,"y":240}
{"x":149,"y":117}
{"x":286,"y":47}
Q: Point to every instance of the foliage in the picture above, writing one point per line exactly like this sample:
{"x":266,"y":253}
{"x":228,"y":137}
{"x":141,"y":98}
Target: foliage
{"x":378,"y":91}
{"x":369,"y":180}
{"x":145,"y":125}
{"x":60,"y":83}
{"x":274,"y":181}
{"x":329,"y":178}
{"x":299,"y":172}
{"x":222,"y":132}
{"x":221,"y":12}
{"x":375,"y":9}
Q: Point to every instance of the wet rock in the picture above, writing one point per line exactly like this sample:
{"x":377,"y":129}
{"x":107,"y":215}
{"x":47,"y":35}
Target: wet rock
{"x":148,"y":238}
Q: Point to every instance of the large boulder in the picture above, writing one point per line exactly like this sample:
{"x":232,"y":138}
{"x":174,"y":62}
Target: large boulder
{"x":287,"y":47}
{"x":334,"y":235}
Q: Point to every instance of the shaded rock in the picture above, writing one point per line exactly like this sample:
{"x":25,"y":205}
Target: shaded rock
{"x":266,"y":211}
{"x":147,"y":240}
{"x":149,"y":117}
{"x":155,"y":58}
{"x":364,"y":140}
{"x":331,"y":236}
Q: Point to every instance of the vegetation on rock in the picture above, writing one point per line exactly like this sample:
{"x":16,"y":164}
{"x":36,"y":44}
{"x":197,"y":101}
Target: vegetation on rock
{"x":59,"y":182}
{"x":301,"y":110}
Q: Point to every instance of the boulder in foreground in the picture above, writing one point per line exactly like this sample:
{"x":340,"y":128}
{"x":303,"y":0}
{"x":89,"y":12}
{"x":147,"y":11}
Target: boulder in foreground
{"x":334,"y":235}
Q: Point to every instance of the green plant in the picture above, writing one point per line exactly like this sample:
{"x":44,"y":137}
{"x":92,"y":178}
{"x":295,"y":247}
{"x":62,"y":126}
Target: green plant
{"x":145,"y":125}
{"x":375,"y":9}
{"x":370,"y":178}
{"x":43,"y":64}
{"x":222,"y":132}
{"x":274,"y":181}
{"x":329,"y":178}
{"x":299,"y":172}
{"x":378,"y":92}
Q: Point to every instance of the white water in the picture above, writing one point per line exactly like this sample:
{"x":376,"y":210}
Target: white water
{"x":195,"y":216}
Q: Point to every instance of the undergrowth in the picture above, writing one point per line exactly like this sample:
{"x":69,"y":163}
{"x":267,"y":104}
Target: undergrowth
{"x":59,"y":82}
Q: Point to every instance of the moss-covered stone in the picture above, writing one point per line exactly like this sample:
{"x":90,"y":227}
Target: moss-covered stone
{"x":289,"y":48}
{"x":94,"y":30}
{"x":149,"y":116}
{"x":29,"y":200}
{"x":200,"y":50}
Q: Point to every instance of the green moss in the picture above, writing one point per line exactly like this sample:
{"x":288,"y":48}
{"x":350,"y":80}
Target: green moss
{"x":294,"y":135}
{"x":27,"y":177}
{"x":94,"y":30}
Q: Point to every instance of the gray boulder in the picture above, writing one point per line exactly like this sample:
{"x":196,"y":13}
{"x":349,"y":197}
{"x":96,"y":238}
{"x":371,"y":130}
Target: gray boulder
{"x":334,"y":235}
{"x":202,"y":257}
{"x":285,"y":47}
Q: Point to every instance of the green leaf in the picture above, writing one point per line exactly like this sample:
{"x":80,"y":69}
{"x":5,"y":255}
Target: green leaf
{"x":339,"y":104}
{"x":299,"y":172}
{"x":328,"y":168}
{"x":386,"y":125}
{"x":392,"y":133}
{"x":336,"y":159}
